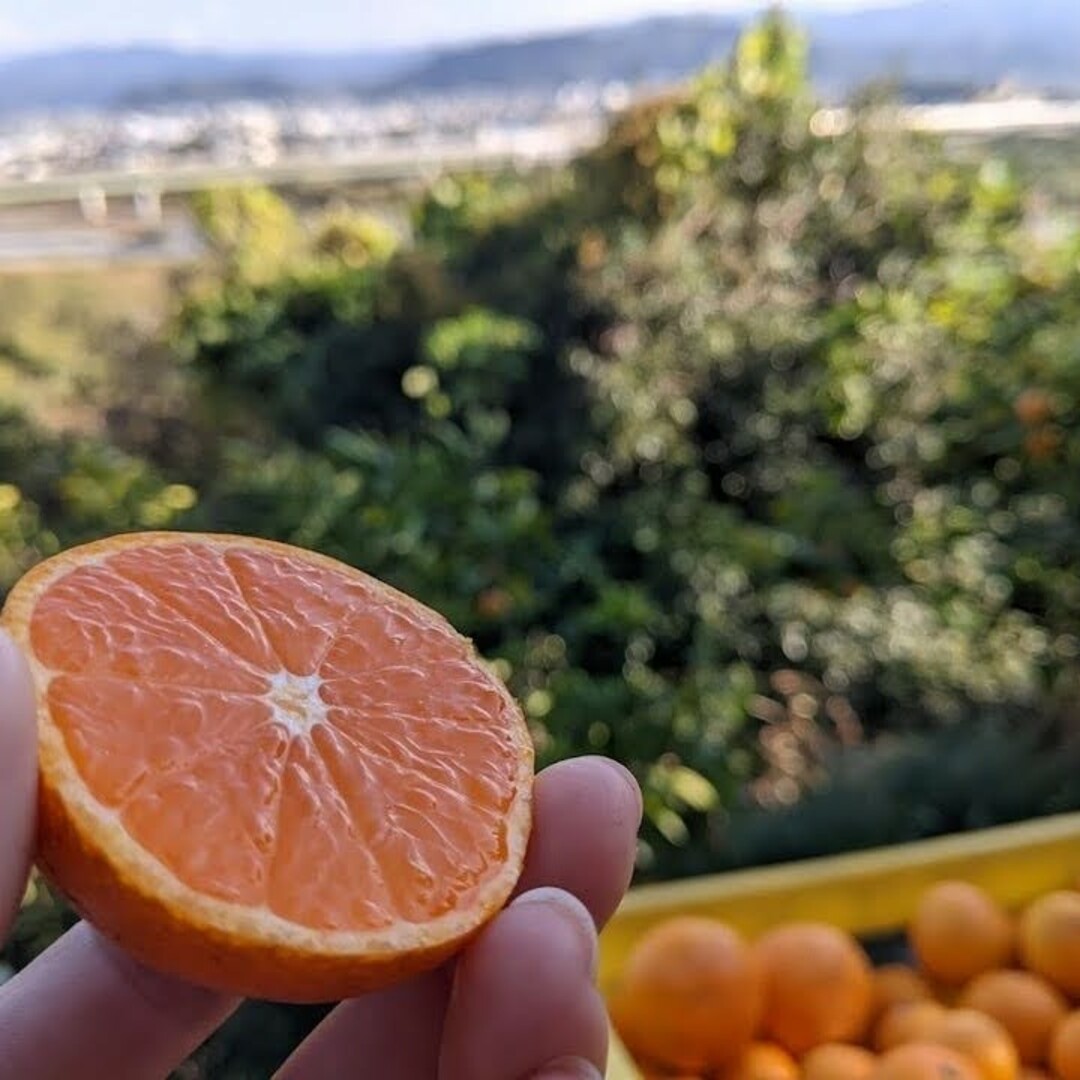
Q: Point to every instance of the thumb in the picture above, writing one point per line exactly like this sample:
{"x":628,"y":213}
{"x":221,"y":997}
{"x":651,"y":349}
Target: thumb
{"x":18,"y":778}
{"x":570,"y":1068}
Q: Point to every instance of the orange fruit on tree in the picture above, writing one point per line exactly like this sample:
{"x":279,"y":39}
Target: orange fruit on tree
{"x":763,"y":1061}
{"x":911,"y":1021}
{"x":264,"y":771}
{"x":924,"y":1061}
{"x":898,"y":984}
{"x":838,"y":1061}
{"x":818,"y":986}
{"x":958,"y":931}
{"x":1043,"y":442}
{"x":982,"y":1040}
{"x":1033,"y":406}
{"x":1065,"y":1048}
{"x":1027,"y":1007}
{"x":1050,"y":939}
{"x":689,"y":996}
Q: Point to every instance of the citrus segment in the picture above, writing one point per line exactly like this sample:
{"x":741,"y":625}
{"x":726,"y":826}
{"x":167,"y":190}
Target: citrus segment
{"x":245,"y":746}
{"x":200,"y":586}
{"x":304,"y":609}
{"x":93,"y":621}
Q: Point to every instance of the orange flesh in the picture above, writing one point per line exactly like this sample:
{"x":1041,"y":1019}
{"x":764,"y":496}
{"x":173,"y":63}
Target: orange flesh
{"x":277,"y":734}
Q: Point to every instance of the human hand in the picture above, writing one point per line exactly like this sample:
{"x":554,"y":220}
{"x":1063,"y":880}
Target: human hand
{"x":518,"y":1003}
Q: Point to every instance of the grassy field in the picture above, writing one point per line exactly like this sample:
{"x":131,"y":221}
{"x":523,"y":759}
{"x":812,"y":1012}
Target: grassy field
{"x":60,"y":330}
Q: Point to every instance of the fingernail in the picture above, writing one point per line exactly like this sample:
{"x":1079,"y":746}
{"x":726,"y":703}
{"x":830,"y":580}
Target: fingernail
{"x":569,"y":1068}
{"x":15,"y":677}
{"x":627,"y":778}
{"x":11,"y":654}
{"x":8,"y":649}
{"x":12,"y":661}
{"x":573,"y":913}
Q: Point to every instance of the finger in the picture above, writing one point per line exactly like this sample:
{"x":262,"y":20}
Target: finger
{"x":18,"y":778}
{"x":585,"y":838}
{"x":394,"y":1035}
{"x":503,"y":1026}
{"x":585,"y":820}
{"x":116,"y":1019}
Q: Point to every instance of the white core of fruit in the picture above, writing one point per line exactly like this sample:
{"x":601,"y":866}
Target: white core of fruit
{"x":295,"y":702}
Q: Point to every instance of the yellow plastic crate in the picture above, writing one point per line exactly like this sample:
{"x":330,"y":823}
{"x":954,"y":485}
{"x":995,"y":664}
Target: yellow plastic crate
{"x":870,"y":892}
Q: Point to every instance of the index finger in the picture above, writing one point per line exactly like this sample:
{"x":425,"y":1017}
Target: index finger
{"x":18,"y":779}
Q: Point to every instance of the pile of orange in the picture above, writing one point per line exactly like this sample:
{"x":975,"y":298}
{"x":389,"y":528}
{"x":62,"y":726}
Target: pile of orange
{"x":988,"y":994}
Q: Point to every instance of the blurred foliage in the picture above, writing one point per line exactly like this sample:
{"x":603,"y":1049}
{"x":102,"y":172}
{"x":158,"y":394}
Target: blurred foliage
{"x":352,"y":239}
{"x":746,"y":448}
{"x":252,"y":231}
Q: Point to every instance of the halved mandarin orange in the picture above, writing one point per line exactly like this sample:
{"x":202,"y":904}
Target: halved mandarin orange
{"x":263,"y":770}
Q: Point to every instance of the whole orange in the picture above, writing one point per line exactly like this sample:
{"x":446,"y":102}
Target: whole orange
{"x":1050,"y":939}
{"x":1027,"y":1007}
{"x":1065,"y":1048}
{"x":818,"y":986}
{"x":982,"y":1040}
{"x":838,"y":1061}
{"x":924,"y":1061}
{"x":958,"y":931}
{"x":690,"y":996}
{"x":763,"y":1061}
{"x":907,"y":1022}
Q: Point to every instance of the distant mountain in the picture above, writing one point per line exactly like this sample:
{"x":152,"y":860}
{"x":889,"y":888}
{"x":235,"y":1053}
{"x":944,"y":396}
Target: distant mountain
{"x":646,"y":51}
{"x":931,"y":47}
{"x":938,"y":45}
{"x":141,"y":75}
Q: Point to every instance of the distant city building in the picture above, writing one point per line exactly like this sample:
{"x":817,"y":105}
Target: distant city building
{"x":260,"y":134}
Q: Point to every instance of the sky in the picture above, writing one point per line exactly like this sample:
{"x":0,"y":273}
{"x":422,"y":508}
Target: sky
{"x":320,"y":24}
